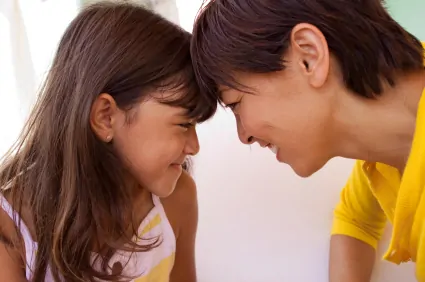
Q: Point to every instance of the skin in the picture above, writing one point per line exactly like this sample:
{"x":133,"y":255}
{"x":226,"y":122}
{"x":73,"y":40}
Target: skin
{"x":154,"y":139}
{"x":350,"y":260}
{"x":308,"y":113}
{"x":308,"y":101}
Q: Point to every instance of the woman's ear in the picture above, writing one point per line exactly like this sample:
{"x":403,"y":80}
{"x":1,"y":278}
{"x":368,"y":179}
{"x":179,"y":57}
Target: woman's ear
{"x":310,"y":50}
{"x":102,"y":117}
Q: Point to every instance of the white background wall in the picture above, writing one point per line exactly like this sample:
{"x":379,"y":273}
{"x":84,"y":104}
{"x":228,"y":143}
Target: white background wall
{"x":258,"y":221}
{"x":29,"y":33}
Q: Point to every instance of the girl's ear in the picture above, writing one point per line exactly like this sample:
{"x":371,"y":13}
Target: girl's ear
{"x":103,"y":116}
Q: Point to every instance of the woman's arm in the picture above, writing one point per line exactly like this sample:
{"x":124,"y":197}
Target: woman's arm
{"x":359,"y":222}
{"x":182,"y":211}
{"x":351,"y":260}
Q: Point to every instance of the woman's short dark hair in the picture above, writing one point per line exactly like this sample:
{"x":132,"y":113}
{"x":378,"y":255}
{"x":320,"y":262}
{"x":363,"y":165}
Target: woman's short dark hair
{"x":253,"y":35}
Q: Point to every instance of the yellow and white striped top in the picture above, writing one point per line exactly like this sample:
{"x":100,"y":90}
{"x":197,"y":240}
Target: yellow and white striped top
{"x":152,"y":266}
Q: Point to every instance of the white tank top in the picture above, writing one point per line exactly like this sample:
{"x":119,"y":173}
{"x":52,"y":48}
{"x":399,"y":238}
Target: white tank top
{"x":152,"y":266}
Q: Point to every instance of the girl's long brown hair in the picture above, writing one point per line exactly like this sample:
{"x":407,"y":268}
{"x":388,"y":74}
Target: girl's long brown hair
{"x":70,"y":181}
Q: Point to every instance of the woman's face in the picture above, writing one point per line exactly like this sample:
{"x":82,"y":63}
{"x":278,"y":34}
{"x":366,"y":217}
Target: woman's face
{"x":155,"y":143}
{"x":291,"y":111}
{"x":281,"y":112}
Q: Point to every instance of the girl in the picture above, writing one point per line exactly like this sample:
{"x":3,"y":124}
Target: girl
{"x":114,"y":123}
{"x":314,"y":80}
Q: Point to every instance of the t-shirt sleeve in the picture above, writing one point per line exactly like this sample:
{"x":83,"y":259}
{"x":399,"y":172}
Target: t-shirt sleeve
{"x":358,"y":214}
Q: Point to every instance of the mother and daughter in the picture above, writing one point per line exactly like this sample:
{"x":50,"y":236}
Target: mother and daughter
{"x":108,"y":137}
{"x":95,"y":188}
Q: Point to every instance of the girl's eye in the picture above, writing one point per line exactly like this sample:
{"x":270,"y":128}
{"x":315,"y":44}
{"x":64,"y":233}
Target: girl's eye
{"x":186,"y":125}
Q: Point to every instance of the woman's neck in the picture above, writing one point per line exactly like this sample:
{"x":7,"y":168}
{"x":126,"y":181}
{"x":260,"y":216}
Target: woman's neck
{"x":382,"y":129}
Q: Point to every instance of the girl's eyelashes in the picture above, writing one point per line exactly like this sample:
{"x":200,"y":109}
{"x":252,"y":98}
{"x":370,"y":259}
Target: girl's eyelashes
{"x":186,"y":125}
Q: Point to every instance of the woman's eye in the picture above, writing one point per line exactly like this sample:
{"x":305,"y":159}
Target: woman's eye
{"x":232,"y":106}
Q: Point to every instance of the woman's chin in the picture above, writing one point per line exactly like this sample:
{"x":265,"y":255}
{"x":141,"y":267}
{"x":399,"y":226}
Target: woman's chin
{"x":304,"y":169}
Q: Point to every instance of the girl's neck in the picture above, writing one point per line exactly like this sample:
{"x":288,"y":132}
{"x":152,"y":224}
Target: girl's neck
{"x":382,"y":129}
{"x":141,"y":204}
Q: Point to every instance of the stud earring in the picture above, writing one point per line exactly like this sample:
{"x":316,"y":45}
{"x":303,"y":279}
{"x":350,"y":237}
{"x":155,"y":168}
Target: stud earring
{"x":108,"y":138}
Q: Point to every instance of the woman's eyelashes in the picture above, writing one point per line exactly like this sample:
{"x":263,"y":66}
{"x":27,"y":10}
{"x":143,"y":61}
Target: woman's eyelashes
{"x":232,"y":106}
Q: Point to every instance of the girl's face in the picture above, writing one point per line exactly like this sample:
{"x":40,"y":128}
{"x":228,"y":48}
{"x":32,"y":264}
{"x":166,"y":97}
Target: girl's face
{"x":155,"y":144}
{"x":153,"y":140}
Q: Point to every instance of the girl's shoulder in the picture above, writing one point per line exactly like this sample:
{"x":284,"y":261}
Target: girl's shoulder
{"x":12,"y":250}
{"x":181,"y":206}
{"x":8,"y":232}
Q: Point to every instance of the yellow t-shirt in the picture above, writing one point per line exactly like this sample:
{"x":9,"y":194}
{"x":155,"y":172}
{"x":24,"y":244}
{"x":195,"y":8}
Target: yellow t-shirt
{"x":376,"y":192}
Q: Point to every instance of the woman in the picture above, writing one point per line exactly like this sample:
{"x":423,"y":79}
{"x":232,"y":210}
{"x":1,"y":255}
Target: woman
{"x":313,"y":80}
